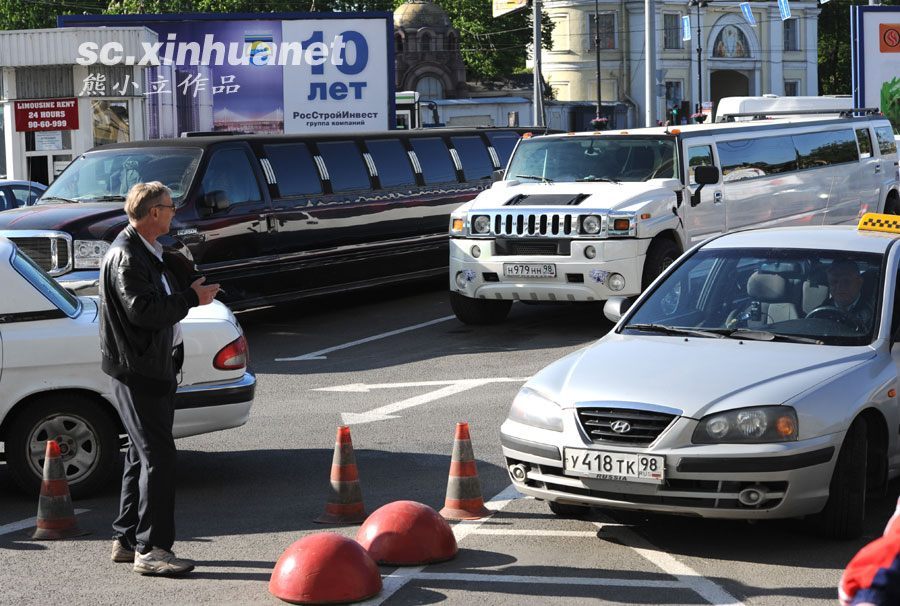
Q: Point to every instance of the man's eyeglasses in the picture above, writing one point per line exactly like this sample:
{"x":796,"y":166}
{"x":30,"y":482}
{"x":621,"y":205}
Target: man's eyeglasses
{"x":171,"y":206}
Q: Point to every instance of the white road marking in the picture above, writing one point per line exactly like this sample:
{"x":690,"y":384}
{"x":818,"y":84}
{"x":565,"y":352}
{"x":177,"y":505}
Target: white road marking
{"x":535,"y":533}
{"x":386,"y":412}
{"x":517,"y":578}
{"x":686,"y":575}
{"x":320,"y":355}
{"x":25,"y":524}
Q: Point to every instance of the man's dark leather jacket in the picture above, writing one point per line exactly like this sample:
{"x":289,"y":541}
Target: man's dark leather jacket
{"x":137,"y":316}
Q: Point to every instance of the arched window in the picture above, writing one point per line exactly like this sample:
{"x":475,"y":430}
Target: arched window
{"x":430,"y":87}
{"x":398,"y":43}
{"x":426,"y":42}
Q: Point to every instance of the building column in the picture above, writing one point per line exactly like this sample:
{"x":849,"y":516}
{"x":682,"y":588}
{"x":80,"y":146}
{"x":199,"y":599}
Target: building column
{"x":776,"y":46}
{"x":635,"y":16}
{"x":811,"y":23}
{"x":691,"y":84}
{"x":14,"y":144}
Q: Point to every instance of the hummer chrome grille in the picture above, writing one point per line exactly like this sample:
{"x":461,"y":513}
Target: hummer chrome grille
{"x":51,"y":250}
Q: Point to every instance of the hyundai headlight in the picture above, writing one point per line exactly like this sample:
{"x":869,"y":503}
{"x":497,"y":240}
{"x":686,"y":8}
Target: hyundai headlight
{"x":89,"y":253}
{"x":481,"y":224}
{"x":531,"y":408}
{"x":748,"y":426}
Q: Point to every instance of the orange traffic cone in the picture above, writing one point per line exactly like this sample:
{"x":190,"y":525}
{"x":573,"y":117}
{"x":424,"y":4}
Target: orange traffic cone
{"x":55,"y":516}
{"x":345,"y":504}
{"x":464,"y":501}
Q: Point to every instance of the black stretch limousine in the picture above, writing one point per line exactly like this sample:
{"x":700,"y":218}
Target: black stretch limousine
{"x":272,"y":218}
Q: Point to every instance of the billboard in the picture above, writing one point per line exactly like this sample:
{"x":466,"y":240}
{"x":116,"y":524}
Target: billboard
{"x":876,"y":59}
{"x":261,"y":73}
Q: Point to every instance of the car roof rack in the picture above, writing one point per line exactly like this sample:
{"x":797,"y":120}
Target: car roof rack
{"x":209,"y":133}
{"x":844,"y":112}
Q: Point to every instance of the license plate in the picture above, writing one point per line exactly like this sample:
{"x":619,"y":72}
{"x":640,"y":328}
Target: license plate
{"x":529,"y":270}
{"x":622,"y":466}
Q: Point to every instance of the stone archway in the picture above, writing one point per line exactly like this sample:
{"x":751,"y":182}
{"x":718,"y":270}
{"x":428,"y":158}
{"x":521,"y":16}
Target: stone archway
{"x":727,"y":83}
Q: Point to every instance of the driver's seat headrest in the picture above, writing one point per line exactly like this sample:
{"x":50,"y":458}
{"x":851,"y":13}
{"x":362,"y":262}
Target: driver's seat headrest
{"x":767,"y":288}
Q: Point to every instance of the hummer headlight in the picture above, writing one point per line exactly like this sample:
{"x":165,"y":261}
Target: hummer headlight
{"x":590,"y":224}
{"x":481,"y":224}
{"x":89,"y":253}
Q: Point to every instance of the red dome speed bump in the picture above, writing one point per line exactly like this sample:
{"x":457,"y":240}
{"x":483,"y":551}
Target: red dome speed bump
{"x":55,"y":515}
{"x":345,"y":504}
{"x":406,"y":533}
{"x":325,"y":568}
{"x":464,"y":500}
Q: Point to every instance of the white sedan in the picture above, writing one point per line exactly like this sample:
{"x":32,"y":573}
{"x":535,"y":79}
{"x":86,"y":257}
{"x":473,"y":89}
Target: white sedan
{"x":52,"y":388}
{"x":756,"y":378}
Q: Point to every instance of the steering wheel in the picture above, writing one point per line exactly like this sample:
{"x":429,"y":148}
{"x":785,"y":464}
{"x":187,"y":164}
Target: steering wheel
{"x":829,"y":312}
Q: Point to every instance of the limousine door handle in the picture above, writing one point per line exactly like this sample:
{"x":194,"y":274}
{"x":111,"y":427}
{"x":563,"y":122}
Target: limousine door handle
{"x":717,"y":197}
{"x":877,"y":167}
{"x":271,"y":222}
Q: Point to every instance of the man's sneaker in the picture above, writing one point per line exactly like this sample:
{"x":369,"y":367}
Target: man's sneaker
{"x":121,"y":553}
{"x":161,"y":562}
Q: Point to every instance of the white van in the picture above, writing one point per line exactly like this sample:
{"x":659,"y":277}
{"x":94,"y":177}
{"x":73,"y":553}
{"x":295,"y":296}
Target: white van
{"x":586,"y":216}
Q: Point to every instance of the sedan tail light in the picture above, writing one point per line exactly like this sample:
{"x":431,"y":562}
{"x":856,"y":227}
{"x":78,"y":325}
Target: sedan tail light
{"x":233,"y":356}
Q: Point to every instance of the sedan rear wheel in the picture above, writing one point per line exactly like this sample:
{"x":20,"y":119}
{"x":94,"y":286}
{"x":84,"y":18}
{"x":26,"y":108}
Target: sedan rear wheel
{"x":88,"y":443}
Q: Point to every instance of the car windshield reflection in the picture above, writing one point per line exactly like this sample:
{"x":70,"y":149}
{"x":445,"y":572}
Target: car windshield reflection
{"x":779,"y":295}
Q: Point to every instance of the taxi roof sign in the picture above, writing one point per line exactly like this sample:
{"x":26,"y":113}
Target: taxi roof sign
{"x":879,"y":222}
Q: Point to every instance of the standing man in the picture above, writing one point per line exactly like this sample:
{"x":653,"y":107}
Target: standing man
{"x":141,"y":345}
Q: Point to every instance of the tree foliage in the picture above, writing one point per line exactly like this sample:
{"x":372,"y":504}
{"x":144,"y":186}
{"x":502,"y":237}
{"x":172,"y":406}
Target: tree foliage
{"x":492,"y":48}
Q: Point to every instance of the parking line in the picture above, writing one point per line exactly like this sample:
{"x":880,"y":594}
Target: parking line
{"x":517,"y":578}
{"x":320,"y":355}
{"x":690,"y":578}
{"x":24,"y":524}
{"x":535,"y":533}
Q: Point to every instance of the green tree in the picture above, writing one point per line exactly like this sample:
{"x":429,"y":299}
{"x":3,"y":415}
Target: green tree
{"x":27,"y":14}
{"x":834,"y":46}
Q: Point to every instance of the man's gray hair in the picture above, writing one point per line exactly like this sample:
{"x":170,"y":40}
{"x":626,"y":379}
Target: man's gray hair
{"x":144,"y":196}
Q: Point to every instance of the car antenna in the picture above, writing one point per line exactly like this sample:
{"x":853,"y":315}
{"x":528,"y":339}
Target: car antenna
{"x":667,"y":127}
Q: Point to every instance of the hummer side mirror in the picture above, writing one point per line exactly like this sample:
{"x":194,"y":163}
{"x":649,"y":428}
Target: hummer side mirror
{"x":703,"y":175}
{"x":498,"y":175}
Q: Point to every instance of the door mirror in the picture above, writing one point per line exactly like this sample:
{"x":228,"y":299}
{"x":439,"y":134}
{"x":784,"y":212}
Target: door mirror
{"x":498,"y":175}
{"x":615,"y":307}
{"x":706,"y":175}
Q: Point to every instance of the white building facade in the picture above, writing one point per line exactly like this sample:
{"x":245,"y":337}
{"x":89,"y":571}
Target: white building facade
{"x":737,"y":58}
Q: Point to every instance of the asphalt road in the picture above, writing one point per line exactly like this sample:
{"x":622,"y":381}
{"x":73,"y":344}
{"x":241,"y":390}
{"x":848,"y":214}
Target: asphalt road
{"x":398,"y":367}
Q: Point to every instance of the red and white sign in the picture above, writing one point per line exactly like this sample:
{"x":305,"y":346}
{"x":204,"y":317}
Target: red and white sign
{"x":46,"y":114}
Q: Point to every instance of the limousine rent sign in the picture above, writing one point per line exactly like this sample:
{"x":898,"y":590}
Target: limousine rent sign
{"x":292,"y":73}
{"x":876,"y":59}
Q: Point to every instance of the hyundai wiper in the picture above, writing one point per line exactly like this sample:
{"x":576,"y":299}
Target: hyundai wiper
{"x":57,"y":198}
{"x":764,"y":335}
{"x":536,"y":178}
{"x":598,"y":179}
{"x":675,"y":330}
{"x":114,"y":198}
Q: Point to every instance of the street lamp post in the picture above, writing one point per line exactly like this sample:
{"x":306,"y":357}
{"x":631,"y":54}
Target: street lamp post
{"x":698,"y":4}
{"x":597,"y":51}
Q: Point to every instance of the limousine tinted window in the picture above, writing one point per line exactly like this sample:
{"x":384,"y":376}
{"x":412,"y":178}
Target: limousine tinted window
{"x":391,"y":162}
{"x":229,"y":171}
{"x":294,"y":169}
{"x":346,"y":167}
{"x":886,"y":142}
{"x":503,"y":144}
{"x":111,"y":173}
{"x":437,"y":166}
{"x":824,"y":148}
{"x":473,"y":155}
{"x":751,"y":158}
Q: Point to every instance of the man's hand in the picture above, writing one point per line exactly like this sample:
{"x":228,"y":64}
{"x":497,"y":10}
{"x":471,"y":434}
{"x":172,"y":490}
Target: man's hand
{"x":205,"y":292}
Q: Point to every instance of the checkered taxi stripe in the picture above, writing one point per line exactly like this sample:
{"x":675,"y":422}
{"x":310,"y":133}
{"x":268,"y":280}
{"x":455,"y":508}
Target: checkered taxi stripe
{"x":879,"y":222}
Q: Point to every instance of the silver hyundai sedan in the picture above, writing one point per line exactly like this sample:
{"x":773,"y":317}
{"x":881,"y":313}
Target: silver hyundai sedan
{"x":756,"y":378}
